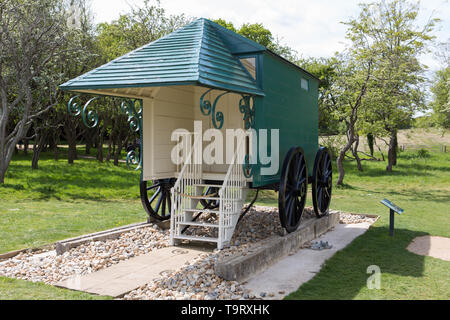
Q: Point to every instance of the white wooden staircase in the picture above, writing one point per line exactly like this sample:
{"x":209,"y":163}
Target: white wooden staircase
{"x":188,"y":192}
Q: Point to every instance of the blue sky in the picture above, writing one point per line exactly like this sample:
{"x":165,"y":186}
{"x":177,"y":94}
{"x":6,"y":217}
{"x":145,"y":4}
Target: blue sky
{"x":312,"y":28}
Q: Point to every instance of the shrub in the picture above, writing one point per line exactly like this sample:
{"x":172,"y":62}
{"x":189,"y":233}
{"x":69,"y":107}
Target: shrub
{"x":423,"y":153}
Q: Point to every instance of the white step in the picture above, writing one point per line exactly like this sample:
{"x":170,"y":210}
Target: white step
{"x":196,"y":238}
{"x":199,"y":224}
{"x":208,"y":198}
{"x":203,"y":210}
{"x":209,"y":185}
{"x":201,"y":197}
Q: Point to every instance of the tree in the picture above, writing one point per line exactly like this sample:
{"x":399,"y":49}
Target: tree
{"x":258,"y":33}
{"x":347,"y":92}
{"x":441,"y":98}
{"x":31,"y":34}
{"x":325,"y":69}
{"x":135,"y":29}
{"x":396,"y":40}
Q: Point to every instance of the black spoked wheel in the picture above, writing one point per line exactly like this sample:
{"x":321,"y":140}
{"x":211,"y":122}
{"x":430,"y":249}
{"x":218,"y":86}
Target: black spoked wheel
{"x":158,"y":205}
{"x":293,"y":189}
{"x":322,"y":183}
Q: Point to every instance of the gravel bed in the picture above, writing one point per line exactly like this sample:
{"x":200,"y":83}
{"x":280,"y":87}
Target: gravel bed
{"x":351,"y":218}
{"x":196,"y":280}
{"x":50,"y":268}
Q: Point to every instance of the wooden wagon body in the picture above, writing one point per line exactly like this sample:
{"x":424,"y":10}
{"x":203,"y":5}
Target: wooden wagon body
{"x":206,"y":76}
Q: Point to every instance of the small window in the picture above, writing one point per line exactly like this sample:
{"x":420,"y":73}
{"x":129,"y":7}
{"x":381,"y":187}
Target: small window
{"x":305,"y":84}
{"x":250,"y":65}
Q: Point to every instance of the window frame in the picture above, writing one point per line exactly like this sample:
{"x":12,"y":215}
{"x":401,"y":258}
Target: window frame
{"x":258,"y":66}
{"x":304,"y":80}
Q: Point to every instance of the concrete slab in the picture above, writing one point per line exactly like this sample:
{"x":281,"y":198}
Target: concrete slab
{"x":290,"y":272}
{"x":272,"y":249}
{"x":128,"y":275}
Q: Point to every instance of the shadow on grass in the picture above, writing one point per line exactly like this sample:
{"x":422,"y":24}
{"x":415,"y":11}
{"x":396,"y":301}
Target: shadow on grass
{"x":412,"y":195}
{"x":17,"y":187}
{"x":345,"y":275}
{"x":408,"y":170}
{"x":85,"y":180}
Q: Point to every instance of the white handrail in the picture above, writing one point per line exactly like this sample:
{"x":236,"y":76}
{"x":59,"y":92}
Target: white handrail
{"x":231,"y":196}
{"x":189,"y":176}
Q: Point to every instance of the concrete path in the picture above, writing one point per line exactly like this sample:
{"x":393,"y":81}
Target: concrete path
{"x":289,"y":273}
{"x":128,"y":275}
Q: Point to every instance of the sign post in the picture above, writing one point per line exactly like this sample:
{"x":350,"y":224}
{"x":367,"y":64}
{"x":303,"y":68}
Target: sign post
{"x":392,"y":209}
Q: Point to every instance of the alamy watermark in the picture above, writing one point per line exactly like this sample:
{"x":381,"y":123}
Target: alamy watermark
{"x":212,"y":148}
{"x":374,"y":281}
{"x":74,"y":16}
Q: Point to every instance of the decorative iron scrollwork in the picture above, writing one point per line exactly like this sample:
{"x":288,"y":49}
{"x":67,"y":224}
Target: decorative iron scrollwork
{"x":247,"y":167}
{"x":128,"y":107}
{"x":248,"y":111}
{"x":90,"y":117}
{"x":205,"y":105}
{"x":246,"y":107}
{"x":207,"y":109}
{"x":73,"y":107}
{"x":132,"y":160}
{"x":134,"y":114}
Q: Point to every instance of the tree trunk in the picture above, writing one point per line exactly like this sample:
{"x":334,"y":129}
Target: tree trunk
{"x":71,"y":136}
{"x":395,"y":149}
{"x":89,"y":137}
{"x":355,"y":153}
{"x":370,"y":143}
{"x":340,"y":159}
{"x":55,"y":152}
{"x":72,"y":154}
{"x":25,"y":147}
{"x":108,"y":154}
{"x":392,"y":151}
{"x":100,"y":147}
{"x":2,"y":175}
{"x":88,"y":147}
{"x":117,"y":152}
{"x":38,"y":147}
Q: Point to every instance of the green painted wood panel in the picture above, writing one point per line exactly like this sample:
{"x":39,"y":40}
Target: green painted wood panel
{"x":289,"y":108}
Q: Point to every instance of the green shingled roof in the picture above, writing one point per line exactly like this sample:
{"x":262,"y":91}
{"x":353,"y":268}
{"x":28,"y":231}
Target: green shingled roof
{"x":199,"y":53}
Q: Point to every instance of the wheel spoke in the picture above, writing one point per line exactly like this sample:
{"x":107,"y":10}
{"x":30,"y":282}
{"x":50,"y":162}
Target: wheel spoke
{"x":302,"y":181}
{"x":319,"y":196}
{"x":293,"y":185}
{"x":169,"y":203}
{"x":300,"y":172}
{"x":163,"y":210}
{"x":289,"y":210}
{"x":158,"y":204}
{"x":155,"y":195}
{"x":153,"y":186}
{"x":298,"y":211}
{"x":160,"y":189}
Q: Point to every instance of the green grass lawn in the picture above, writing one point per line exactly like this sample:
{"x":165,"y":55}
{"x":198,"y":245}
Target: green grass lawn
{"x":422,"y":188}
{"x":60,"y":201}
{"x":13,"y":289}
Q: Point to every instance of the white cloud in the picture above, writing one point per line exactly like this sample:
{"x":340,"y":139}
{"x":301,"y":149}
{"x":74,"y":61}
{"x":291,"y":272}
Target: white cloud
{"x":312,"y":28}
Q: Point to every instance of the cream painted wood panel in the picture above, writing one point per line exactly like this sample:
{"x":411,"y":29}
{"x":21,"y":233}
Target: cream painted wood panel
{"x":177,"y":107}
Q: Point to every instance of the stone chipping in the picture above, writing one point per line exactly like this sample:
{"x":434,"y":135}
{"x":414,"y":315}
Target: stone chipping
{"x":195,"y":280}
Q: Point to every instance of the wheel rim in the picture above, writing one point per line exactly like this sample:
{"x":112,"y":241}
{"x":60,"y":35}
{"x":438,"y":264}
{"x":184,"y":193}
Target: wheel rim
{"x":156,"y":198}
{"x":323,"y":182}
{"x":293,"y":189}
